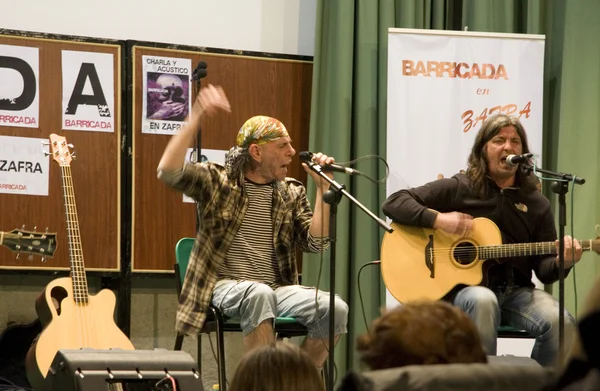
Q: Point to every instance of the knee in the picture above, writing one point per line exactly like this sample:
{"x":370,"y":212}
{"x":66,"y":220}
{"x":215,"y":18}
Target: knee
{"x":341,"y":311}
{"x":553,"y":322}
{"x":260,"y":295}
{"x":478,"y":299}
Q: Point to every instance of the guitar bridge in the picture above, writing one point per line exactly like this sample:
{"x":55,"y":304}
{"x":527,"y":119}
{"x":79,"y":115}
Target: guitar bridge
{"x":430,"y":257}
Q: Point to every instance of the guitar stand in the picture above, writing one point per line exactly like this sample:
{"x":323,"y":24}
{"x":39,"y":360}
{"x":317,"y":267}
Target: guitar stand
{"x":128,"y":370}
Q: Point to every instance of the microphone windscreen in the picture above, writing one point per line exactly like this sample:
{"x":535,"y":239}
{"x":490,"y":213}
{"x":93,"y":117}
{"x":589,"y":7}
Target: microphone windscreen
{"x":305,"y":156}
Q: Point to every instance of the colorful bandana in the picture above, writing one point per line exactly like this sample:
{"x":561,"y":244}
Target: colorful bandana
{"x":257,"y":130}
{"x":260,"y":130}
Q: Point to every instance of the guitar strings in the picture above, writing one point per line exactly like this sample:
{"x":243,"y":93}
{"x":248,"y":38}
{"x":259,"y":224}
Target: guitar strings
{"x":78,"y":277}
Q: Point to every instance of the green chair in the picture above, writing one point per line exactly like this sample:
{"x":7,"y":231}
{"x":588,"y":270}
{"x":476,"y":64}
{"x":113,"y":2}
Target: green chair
{"x":217,"y":322}
{"x":506,"y":331}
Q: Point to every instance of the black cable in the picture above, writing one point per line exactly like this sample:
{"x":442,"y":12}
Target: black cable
{"x":367,"y":157}
{"x":362,"y":304}
{"x":212,"y":348}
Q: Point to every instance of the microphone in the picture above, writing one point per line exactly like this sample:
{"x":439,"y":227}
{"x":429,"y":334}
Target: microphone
{"x":514,"y":160}
{"x":200,"y":71}
{"x":306,"y":157}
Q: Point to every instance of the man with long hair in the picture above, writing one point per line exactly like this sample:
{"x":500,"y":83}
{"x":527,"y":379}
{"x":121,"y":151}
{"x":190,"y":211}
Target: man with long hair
{"x":501,"y":192}
{"x":253,"y":219}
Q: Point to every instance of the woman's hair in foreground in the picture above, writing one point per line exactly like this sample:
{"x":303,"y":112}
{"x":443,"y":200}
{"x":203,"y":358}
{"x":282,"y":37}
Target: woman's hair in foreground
{"x":275,"y":367}
{"x":428,"y":332}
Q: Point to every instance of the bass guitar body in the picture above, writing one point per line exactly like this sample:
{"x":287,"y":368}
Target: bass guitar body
{"x":72,"y":323}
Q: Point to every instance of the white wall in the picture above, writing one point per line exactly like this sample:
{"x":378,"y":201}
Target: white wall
{"x":275,"y":26}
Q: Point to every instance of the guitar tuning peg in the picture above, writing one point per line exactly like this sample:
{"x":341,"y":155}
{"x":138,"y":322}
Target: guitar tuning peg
{"x":34,"y":228}
{"x":18,"y":256}
{"x":23,"y":227}
{"x":46,"y":153}
{"x":30,"y":257}
{"x":70,"y":146}
{"x":43,"y":259}
{"x":46,"y":231}
{"x":45,"y":143}
{"x":73,"y":156}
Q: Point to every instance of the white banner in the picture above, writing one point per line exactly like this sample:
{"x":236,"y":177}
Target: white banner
{"x":206,"y":155}
{"x":167,"y":93}
{"x":442,"y":86}
{"x":19,"y":86}
{"x":23,"y":166}
{"x":88,"y":94}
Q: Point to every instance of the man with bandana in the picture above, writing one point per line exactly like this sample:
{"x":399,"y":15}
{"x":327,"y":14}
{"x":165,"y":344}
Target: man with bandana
{"x":252,"y":220}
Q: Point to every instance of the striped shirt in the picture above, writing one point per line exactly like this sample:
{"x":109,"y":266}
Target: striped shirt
{"x":252,"y":255}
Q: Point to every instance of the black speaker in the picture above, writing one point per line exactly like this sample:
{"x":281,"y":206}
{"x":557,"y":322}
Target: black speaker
{"x":127,"y":370}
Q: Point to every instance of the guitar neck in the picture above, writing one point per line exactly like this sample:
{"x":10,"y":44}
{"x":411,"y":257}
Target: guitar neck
{"x":80,"y":287}
{"x":527,"y":249}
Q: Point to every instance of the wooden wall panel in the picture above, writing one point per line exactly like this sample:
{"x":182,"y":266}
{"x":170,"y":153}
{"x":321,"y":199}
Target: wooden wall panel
{"x":96,"y":172}
{"x":254,"y":85}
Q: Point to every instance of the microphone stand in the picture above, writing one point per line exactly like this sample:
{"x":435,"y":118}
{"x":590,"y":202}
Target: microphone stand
{"x":560,"y":187}
{"x":333,"y":196}
{"x":197,"y":74}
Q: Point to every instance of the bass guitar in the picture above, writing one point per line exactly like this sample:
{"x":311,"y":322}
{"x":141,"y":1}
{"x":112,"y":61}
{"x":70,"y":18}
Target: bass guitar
{"x":423,"y":263}
{"x":71,"y":317}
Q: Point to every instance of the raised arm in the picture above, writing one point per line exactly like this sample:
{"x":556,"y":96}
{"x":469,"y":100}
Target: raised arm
{"x":209,"y":100}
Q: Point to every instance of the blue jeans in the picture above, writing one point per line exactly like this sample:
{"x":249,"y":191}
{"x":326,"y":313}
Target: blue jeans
{"x":533,"y":310}
{"x":254,"y":303}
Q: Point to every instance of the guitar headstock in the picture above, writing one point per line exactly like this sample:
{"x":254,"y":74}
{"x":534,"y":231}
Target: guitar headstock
{"x":60,"y":150}
{"x":29,"y":242}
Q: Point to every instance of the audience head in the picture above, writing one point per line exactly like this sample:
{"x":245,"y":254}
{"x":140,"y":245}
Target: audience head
{"x":421,"y":333}
{"x":275,"y":367}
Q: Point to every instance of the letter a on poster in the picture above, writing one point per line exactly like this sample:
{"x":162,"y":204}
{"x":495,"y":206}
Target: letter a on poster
{"x":88,"y":97}
{"x":167,"y":95}
{"x":19,"y":86}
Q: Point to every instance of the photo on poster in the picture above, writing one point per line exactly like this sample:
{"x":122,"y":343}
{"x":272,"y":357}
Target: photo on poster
{"x":88,"y":93}
{"x":206,"y":155}
{"x":23,"y":167}
{"x":19,"y":86}
{"x":167,"y":94}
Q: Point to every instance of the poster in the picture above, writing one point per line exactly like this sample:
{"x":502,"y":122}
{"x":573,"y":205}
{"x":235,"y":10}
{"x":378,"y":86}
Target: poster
{"x":88,"y":93}
{"x":442,"y":85}
{"x":166,"y":93}
{"x":19,"y":86}
{"x":23,"y":167}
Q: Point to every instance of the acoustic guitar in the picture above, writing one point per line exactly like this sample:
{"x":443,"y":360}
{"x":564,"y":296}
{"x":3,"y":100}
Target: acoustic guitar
{"x":423,"y":263}
{"x":29,"y":242}
{"x":16,"y":339}
{"x":71,"y":317}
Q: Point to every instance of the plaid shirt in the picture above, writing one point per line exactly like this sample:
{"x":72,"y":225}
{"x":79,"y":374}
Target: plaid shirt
{"x":222,"y":206}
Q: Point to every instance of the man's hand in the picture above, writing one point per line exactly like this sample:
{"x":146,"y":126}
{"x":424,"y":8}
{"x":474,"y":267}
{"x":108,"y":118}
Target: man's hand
{"x":572,"y":253}
{"x":210,"y":99}
{"x":454,"y":222}
{"x":320,"y":159}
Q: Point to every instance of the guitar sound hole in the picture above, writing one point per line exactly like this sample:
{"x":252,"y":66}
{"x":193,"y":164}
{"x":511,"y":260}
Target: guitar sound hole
{"x":58,"y":294}
{"x":465,"y":253}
